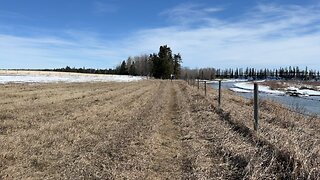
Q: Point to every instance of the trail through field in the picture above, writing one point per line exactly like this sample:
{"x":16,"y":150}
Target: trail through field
{"x":146,"y":130}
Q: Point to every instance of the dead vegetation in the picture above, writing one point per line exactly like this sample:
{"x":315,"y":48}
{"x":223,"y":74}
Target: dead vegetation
{"x":280,"y":84}
{"x":149,"y":130}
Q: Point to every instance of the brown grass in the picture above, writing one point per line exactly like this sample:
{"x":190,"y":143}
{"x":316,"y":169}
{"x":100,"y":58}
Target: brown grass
{"x":275,"y":85}
{"x":149,"y":130}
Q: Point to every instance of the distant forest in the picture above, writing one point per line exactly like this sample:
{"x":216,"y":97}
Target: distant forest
{"x":251,"y":73}
{"x":164,"y":64}
{"x":161,"y":66}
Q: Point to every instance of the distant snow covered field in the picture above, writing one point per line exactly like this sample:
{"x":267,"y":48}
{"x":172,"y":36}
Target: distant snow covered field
{"x":55,"y":77}
{"x":245,"y":87}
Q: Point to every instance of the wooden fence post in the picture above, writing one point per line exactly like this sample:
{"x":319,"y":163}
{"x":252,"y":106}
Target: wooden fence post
{"x":198,"y":83}
{"x":255,"y":106}
{"x":219,"y":98}
{"x":205,"y":88}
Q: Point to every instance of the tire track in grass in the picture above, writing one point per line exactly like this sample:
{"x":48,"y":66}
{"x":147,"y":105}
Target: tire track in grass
{"x":174,"y":157}
{"x":184,"y":122}
{"x":162,"y":141}
{"x":129,"y":158}
{"x":158,"y":152}
{"x":214,"y":160}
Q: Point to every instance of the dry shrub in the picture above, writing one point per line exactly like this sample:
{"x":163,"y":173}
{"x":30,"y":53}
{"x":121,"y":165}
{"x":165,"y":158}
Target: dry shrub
{"x":275,"y":85}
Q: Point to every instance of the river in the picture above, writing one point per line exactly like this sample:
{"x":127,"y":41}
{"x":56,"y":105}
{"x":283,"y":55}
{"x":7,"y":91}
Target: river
{"x":307,"y":105}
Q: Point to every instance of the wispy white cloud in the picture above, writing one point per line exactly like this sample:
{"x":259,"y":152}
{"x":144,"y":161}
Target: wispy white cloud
{"x":188,"y":13}
{"x":50,"y":52}
{"x":267,"y":36}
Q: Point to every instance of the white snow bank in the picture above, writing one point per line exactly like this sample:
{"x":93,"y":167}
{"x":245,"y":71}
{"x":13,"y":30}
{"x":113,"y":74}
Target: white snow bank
{"x":228,"y":80}
{"x":266,"y":89}
{"x":261,"y":88}
{"x":65,"y":78}
{"x":240,"y":90}
{"x":292,"y":89}
{"x":309,"y":92}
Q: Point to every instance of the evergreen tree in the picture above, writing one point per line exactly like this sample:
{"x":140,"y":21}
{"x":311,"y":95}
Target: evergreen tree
{"x":165,"y":56}
{"x":164,"y":63}
{"x":132,"y":69}
{"x":123,"y":68}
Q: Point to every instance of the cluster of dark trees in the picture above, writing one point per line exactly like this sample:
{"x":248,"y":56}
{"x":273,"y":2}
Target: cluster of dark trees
{"x":162,"y":65}
{"x":83,"y":70}
{"x":252,"y":73}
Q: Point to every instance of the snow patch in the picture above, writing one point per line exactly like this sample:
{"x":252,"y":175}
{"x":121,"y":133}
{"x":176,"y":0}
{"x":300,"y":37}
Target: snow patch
{"x":309,"y":92}
{"x":262,"y":88}
{"x":4,"y":79}
{"x":238,"y":90}
{"x":228,"y":80}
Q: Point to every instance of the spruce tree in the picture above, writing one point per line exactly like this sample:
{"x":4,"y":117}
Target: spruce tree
{"x":123,"y":68}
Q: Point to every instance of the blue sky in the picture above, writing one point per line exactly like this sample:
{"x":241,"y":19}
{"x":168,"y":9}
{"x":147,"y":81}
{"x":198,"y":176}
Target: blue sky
{"x":208,"y":33}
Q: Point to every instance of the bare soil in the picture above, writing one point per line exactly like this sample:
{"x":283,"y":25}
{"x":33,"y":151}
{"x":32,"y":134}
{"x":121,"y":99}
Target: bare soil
{"x":149,"y":130}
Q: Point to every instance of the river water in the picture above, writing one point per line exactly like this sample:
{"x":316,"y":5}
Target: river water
{"x":307,"y":105}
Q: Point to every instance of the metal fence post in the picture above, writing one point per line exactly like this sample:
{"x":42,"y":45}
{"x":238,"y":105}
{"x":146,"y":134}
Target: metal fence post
{"x":219,"y":98}
{"x":255,"y":106}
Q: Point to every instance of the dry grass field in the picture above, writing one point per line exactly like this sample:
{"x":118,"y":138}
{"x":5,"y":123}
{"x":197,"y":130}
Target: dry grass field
{"x":149,"y":130}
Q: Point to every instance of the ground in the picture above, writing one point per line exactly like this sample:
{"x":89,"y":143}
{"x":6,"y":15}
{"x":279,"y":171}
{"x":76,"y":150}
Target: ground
{"x":149,"y":130}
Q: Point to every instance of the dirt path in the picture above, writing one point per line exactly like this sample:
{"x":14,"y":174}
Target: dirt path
{"x":145,"y":130}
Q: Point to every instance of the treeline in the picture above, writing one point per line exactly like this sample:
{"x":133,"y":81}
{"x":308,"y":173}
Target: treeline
{"x":162,"y":65}
{"x":83,"y":70}
{"x":251,"y":73}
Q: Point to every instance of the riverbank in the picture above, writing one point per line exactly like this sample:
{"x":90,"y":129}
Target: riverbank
{"x":303,"y":104}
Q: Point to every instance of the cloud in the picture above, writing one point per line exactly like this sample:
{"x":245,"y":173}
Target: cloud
{"x":52,"y":52}
{"x":188,"y":13}
{"x":267,"y":36}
